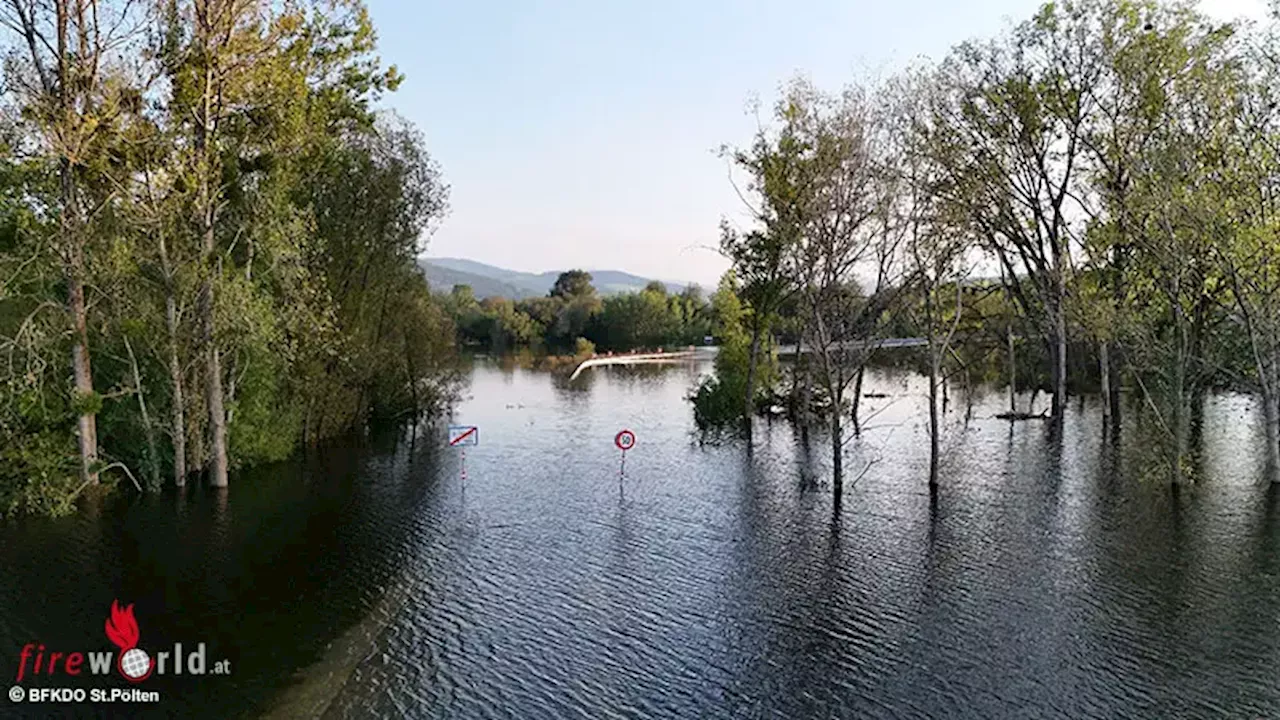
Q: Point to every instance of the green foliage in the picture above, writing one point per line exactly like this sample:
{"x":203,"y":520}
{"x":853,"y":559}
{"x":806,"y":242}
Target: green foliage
{"x":265,"y":424}
{"x":649,"y":319}
{"x":317,"y":207}
{"x":583,"y":348}
{"x":717,"y":401}
{"x":572,"y":284}
{"x":38,"y":471}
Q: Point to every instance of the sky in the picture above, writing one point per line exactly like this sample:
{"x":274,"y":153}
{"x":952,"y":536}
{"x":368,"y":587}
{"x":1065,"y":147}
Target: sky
{"x":584,"y":134}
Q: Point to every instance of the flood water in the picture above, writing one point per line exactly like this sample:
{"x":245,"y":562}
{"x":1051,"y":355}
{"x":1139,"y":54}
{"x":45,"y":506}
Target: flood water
{"x":1046,"y":578}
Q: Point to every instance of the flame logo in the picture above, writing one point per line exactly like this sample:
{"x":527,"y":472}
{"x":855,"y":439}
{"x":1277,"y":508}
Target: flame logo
{"x":122,"y":628}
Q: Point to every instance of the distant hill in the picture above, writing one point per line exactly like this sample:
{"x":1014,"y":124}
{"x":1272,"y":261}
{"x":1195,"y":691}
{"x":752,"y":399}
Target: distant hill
{"x":442,"y":279}
{"x":488,"y":280}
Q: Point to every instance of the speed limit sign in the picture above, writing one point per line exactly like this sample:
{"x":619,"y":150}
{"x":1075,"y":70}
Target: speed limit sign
{"x":625,"y":440}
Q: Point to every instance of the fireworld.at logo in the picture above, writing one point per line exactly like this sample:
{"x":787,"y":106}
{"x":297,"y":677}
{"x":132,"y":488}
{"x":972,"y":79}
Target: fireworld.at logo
{"x":133,"y":663}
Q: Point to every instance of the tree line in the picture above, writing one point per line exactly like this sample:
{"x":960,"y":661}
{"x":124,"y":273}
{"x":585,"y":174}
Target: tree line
{"x":574,"y":318}
{"x":208,"y":238}
{"x":1092,"y":193}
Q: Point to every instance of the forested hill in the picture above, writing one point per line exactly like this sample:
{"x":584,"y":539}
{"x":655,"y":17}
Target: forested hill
{"x":491,"y":281}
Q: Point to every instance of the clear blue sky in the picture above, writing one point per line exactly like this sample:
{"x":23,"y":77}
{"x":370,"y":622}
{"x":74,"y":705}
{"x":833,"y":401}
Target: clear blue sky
{"x":581,"y":134}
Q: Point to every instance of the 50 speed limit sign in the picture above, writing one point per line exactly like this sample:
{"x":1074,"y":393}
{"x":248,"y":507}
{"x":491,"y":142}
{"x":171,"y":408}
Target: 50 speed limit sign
{"x":625,"y":440}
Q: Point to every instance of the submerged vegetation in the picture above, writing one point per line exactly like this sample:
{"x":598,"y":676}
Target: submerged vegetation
{"x":208,"y":239}
{"x":1088,"y":200}
{"x":208,"y":242}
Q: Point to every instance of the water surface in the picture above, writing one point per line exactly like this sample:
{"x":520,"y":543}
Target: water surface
{"x":1044,"y":579}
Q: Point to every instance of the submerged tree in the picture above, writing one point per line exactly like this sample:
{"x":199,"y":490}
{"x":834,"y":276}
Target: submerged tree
{"x":846,"y":230}
{"x":1177,"y":86}
{"x":1008,"y":134}
{"x":935,"y":245}
{"x":1250,"y":258}
{"x":247,"y":228}
{"x":776,"y":165}
{"x":72,"y":78}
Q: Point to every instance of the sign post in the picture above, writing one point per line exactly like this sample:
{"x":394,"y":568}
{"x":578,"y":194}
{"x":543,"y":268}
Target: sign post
{"x":625,"y":440}
{"x":460,"y":436}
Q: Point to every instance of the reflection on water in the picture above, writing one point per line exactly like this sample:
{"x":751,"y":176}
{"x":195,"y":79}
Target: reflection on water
{"x":1041,"y":580}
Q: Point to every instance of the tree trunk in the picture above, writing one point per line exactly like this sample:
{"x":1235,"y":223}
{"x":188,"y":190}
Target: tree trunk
{"x":1013,"y":371}
{"x":806,"y":399}
{"x":837,"y":448}
{"x":412,"y":375}
{"x":748,"y":403}
{"x":1271,"y":412}
{"x":1060,"y":354}
{"x":204,"y":126}
{"x":82,"y":372}
{"x":857,"y":399}
{"x":1104,"y":376}
{"x":177,"y":412}
{"x":87,"y":426}
{"x":1181,"y":417}
{"x":153,"y":458}
{"x":796,"y":369}
{"x":213,"y":398}
{"x":177,"y":419}
{"x":933,"y":415}
{"x":1114,"y":399}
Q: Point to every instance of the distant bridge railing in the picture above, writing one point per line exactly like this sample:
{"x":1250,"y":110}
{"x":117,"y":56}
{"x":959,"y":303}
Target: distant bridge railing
{"x":640,"y":359}
{"x":696,"y":352}
{"x":886,"y":343}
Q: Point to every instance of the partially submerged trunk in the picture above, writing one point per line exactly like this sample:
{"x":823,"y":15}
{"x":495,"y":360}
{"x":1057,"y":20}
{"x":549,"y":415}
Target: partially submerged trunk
{"x":82,"y":372}
{"x":87,"y":423}
{"x":1113,"y":393}
{"x":857,"y":398}
{"x":207,"y":219}
{"x":177,"y":419}
{"x":1059,"y":405}
{"x":1180,"y":427}
{"x":1271,"y":413}
{"x":213,"y":398}
{"x":1104,"y":375}
{"x":1008,"y":333}
{"x":153,"y":458}
{"x":749,"y":402}
{"x":1269,"y":375}
{"x":411,"y":375}
{"x":1013,"y":373}
{"x":933,"y":415}
{"x":806,"y":399}
{"x":837,"y":451}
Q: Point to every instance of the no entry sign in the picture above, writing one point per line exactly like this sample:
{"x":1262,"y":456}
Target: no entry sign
{"x":463,"y":435}
{"x":625,"y":440}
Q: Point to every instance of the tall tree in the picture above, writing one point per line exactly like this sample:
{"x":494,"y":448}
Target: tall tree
{"x":72,"y":81}
{"x":760,"y":257}
{"x":936,"y":247}
{"x":846,"y":230}
{"x":1009,"y":135}
{"x":224,"y":68}
{"x":1185,"y":84}
{"x":1250,"y":259}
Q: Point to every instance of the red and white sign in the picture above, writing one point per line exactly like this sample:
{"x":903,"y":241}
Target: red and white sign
{"x":463,"y":435}
{"x":625,"y":440}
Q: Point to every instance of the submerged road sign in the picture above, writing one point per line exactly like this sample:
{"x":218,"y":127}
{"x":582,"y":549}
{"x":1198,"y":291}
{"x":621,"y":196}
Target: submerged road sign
{"x":463,"y":435}
{"x":625,"y":440}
